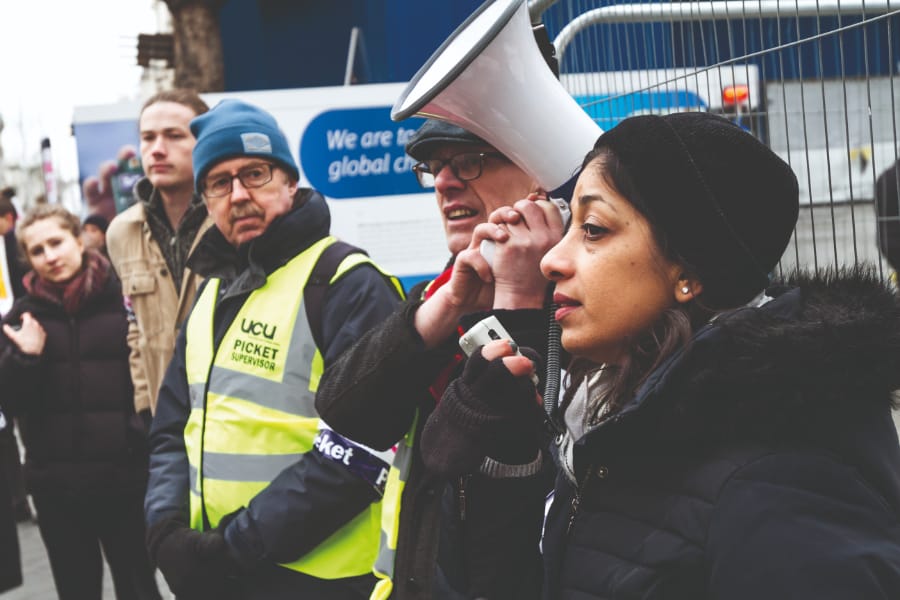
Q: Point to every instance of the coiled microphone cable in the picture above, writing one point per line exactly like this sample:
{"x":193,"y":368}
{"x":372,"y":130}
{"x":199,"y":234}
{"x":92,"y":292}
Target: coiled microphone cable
{"x":553,"y":377}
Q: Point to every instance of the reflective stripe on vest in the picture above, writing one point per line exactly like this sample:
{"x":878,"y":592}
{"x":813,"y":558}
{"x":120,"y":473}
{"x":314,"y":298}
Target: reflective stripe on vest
{"x":390,"y":514}
{"x":253,"y":413}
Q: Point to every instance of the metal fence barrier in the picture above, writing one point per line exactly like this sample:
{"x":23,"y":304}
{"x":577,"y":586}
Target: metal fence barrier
{"x":816,"y":80}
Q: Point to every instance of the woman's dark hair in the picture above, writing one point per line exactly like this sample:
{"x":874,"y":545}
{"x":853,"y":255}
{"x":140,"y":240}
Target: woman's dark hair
{"x":671,"y":331}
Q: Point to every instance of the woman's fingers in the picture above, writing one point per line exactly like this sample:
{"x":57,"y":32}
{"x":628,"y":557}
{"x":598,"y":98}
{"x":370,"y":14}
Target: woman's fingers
{"x":520,"y":366}
{"x":496,"y":349}
{"x":30,"y":337}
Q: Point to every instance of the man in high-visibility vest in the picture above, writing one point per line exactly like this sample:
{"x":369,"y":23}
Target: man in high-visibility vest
{"x":250,"y":494}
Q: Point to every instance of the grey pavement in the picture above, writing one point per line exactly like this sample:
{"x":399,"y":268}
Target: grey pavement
{"x":38,"y":582}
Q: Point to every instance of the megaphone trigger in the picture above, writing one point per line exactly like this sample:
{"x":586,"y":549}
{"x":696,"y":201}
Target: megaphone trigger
{"x":564,"y":211}
{"x":487,"y":248}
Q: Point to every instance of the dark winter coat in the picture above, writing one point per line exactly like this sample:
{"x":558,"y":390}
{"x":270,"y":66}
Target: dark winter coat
{"x":11,"y":565}
{"x":10,"y":569}
{"x":372,"y":394}
{"x":74,"y":402}
{"x":761,"y":462}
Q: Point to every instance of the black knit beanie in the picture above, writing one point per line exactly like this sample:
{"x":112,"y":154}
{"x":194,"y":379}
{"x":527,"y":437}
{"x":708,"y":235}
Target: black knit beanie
{"x":726,"y":202}
{"x":96,"y":220}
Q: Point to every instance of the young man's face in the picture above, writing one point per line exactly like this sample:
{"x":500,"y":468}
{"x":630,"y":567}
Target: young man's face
{"x":166,"y":145}
{"x":246,"y":212}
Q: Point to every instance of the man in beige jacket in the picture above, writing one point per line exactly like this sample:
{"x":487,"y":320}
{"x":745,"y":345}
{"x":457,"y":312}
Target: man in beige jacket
{"x":149,"y":243}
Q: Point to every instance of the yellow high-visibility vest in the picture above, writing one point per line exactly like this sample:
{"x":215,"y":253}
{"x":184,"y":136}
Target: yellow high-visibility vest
{"x":390,"y":515}
{"x":253,"y":412}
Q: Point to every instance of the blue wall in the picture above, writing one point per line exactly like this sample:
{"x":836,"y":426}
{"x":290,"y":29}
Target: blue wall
{"x":274,"y":44}
{"x":270,"y":44}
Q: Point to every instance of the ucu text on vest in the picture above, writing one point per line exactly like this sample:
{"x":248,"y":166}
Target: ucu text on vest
{"x":258,"y":328}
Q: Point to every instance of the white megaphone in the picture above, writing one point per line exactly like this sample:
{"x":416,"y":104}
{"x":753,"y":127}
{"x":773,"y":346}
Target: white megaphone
{"x":490,"y":78}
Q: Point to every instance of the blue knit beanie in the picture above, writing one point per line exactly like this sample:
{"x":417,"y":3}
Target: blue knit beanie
{"x":233,"y":128}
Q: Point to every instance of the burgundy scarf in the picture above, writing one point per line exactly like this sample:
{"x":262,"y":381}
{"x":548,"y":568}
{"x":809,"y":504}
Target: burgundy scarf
{"x":72,"y":294}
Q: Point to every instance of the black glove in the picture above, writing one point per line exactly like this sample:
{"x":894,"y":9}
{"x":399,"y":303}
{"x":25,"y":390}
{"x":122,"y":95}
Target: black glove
{"x":195,"y":564}
{"x":485,"y":412}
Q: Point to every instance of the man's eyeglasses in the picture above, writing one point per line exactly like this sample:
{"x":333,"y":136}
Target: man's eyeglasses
{"x":251,"y":176}
{"x":466,"y":167}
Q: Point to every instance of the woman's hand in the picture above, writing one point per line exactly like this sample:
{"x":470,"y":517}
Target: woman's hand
{"x":523,"y":233}
{"x":492,"y":410}
{"x":518,"y":365}
{"x":30,"y":337}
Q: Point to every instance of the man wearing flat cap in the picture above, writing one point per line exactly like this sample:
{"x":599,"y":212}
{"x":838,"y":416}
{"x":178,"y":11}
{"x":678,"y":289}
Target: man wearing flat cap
{"x":406,"y":367}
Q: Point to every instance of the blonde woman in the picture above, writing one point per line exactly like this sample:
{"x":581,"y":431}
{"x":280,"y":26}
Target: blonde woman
{"x":64,"y":375}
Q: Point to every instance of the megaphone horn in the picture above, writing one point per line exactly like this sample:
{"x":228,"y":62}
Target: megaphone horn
{"x":490,"y":78}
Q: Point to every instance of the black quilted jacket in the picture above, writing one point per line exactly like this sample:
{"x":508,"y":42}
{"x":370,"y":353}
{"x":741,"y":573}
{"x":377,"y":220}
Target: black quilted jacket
{"x":75,"y":402}
{"x":761,"y":462}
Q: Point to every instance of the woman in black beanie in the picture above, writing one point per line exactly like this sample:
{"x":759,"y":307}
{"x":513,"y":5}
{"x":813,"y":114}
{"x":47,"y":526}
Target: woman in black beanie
{"x":722,"y":435}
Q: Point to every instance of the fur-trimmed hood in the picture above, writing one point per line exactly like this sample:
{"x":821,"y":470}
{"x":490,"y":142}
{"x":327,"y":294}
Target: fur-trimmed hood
{"x":814,"y":367}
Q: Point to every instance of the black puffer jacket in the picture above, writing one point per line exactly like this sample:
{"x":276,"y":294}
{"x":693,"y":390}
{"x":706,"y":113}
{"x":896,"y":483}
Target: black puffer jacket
{"x":11,"y":565}
{"x":74,"y":402}
{"x":762,"y":462}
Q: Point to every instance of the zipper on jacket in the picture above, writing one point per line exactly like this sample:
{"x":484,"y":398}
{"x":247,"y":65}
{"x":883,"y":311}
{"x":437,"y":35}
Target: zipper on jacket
{"x":461,"y":497}
{"x":77,"y":423}
{"x":576,"y":500}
